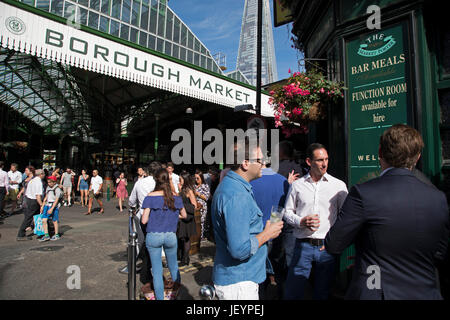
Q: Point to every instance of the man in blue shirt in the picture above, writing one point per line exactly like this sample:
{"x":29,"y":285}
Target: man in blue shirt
{"x":241,"y":253}
{"x":271,"y":190}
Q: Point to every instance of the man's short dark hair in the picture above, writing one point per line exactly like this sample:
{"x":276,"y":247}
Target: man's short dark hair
{"x":400,"y":146}
{"x":170,"y":164}
{"x":313,"y":147}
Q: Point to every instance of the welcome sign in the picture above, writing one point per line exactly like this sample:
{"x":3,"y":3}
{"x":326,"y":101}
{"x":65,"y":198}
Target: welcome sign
{"x":379,"y":94}
{"x":33,"y":34}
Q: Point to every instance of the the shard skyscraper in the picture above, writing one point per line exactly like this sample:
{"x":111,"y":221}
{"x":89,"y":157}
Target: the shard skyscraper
{"x":246,"y":59}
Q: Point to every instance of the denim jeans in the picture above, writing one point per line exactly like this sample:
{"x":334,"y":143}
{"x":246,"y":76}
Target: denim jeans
{"x":299,"y":270}
{"x":155,"y":241}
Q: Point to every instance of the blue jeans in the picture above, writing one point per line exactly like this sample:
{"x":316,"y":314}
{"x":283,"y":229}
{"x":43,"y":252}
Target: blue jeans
{"x":155,"y":241}
{"x":324,"y":270}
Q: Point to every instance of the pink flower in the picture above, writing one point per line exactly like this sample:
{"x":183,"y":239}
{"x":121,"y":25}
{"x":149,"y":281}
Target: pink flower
{"x":322,"y":90}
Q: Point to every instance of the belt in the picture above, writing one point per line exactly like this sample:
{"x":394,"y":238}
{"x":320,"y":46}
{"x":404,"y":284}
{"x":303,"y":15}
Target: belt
{"x":313,"y":242}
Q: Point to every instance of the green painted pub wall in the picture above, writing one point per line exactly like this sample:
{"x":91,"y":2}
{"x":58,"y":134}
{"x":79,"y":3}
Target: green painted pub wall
{"x":427,"y":45}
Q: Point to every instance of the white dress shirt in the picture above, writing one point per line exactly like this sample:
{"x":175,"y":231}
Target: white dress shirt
{"x":14,"y":176}
{"x":140,"y":190}
{"x":324,"y":197}
{"x":96,"y":182}
{"x":175,"y":181}
{"x":34,"y":188}
{"x":4,"y":180}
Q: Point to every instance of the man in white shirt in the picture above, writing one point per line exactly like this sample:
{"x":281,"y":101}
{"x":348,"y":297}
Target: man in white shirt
{"x":95,"y":191}
{"x":4,"y":185}
{"x":175,"y":177}
{"x":312,"y":205}
{"x":33,"y":198}
{"x":15,"y":178}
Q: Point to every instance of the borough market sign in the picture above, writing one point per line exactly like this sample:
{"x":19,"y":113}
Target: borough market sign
{"x":63,"y":43}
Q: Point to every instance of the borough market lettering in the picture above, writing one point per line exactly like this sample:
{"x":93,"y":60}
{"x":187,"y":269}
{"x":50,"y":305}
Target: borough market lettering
{"x":103,"y":53}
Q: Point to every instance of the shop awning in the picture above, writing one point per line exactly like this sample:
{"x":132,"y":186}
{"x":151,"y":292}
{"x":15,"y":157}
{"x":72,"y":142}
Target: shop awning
{"x":41,"y":34}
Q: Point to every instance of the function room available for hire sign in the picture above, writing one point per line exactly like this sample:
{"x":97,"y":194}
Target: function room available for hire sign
{"x":379,"y":94}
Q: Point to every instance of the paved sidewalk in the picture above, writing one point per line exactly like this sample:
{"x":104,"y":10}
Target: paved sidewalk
{"x":96,"y":244}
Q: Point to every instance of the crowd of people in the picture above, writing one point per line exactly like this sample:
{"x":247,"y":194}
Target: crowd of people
{"x":399,"y":222}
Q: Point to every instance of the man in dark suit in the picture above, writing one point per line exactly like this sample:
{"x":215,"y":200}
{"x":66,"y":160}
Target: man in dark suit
{"x":400,"y":226}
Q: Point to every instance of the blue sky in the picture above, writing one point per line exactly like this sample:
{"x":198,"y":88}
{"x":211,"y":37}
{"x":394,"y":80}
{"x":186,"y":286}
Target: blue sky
{"x":217,"y":23}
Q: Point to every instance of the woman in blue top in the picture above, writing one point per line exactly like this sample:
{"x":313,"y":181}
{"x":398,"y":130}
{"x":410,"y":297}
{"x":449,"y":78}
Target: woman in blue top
{"x":83,"y":187}
{"x":162,"y":209}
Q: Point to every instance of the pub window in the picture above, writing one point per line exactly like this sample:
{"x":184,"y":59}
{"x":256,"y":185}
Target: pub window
{"x":203,"y":61}
{"x":196,"y":59}
{"x":190,"y":40}
{"x":209,"y":64}
{"x":190,"y":56}
{"x":197,"y":45}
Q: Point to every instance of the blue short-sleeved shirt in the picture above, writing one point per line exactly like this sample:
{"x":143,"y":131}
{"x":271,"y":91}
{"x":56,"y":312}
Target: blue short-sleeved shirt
{"x":237,"y":220}
{"x":161,"y":218}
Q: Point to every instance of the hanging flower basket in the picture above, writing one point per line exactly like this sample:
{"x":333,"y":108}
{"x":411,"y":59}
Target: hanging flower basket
{"x":302,"y":100}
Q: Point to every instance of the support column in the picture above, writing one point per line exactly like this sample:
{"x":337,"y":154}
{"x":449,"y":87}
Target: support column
{"x":156,"y":136}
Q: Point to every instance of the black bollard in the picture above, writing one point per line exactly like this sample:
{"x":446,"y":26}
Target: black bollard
{"x":132,"y":242}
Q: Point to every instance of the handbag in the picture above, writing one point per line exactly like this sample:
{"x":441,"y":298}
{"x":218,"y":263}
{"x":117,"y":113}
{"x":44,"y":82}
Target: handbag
{"x":38,"y":226}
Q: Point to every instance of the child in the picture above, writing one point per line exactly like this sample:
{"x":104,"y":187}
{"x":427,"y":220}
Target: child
{"x":50,"y":208}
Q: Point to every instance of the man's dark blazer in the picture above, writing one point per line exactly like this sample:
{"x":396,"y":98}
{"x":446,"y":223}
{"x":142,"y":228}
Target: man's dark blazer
{"x":399,"y":224}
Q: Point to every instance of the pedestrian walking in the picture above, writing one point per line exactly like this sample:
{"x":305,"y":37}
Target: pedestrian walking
{"x":121,"y":189}
{"x":4,"y":185}
{"x":174,"y":178}
{"x":311,"y":208}
{"x":162,"y":209}
{"x":50,"y":209}
{"x":83,"y":188}
{"x":95,"y":192}
{"x":15,"y":179}
{"x":33,"y":199}
{"x":66,"y":183}
{"x":399,"y":225}
{"x":241,"y":250}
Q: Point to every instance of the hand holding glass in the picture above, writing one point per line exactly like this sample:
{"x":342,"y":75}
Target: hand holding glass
{"x":276,"y":214}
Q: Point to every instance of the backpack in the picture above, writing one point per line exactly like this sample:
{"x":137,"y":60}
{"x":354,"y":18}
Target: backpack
{"x":61,"y":195}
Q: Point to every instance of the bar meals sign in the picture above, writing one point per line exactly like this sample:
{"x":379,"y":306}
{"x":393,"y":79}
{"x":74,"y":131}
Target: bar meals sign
{"x":30,"y":33}
{"x":379,"y":94}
